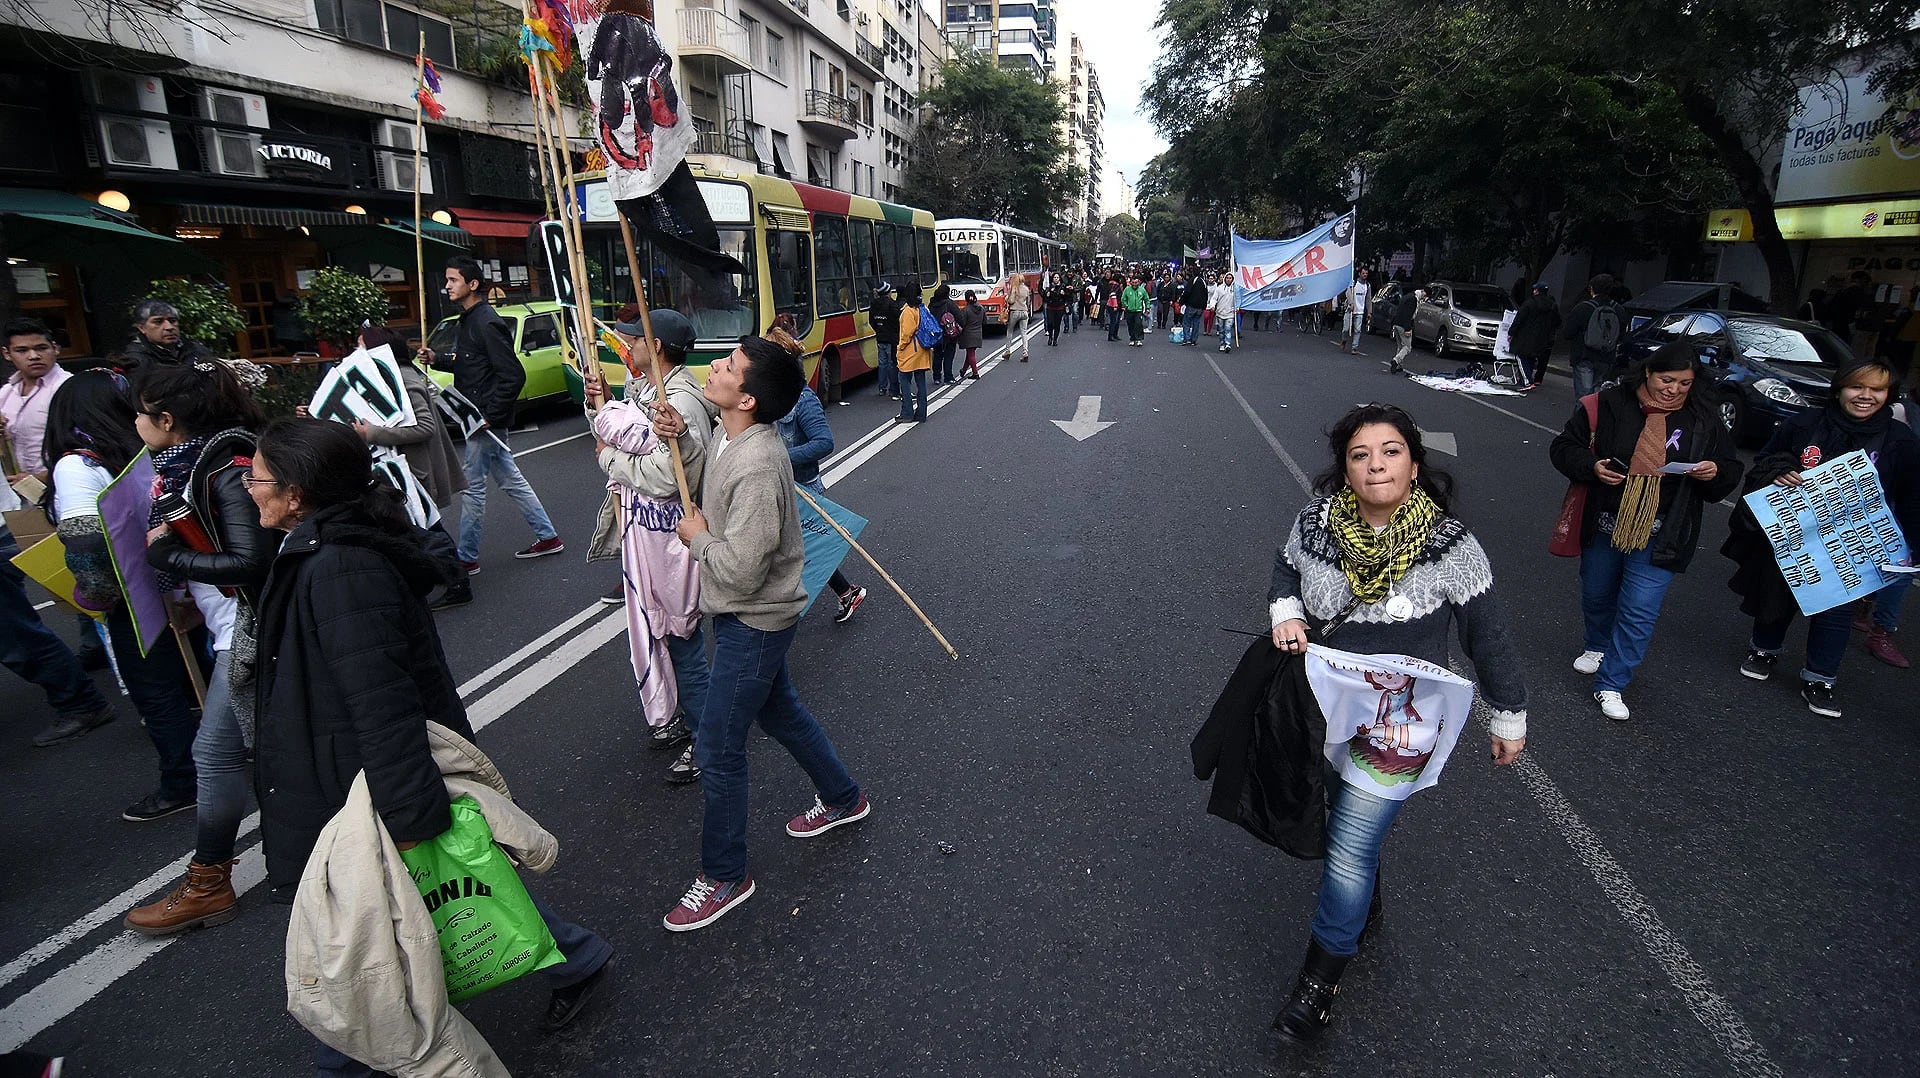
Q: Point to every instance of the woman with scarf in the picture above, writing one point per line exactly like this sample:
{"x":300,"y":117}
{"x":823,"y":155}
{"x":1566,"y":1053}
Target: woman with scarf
{"x":1377,"y":558}
{"x":198,"y":421}
{"x":1857,"y":417}
{"x":1642,"y":519}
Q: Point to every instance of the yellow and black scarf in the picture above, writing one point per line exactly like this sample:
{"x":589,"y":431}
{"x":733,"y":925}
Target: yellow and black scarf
{"x":1374,"y":560}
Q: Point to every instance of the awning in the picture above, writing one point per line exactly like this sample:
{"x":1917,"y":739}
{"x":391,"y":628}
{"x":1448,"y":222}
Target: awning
{"x":500,"y":224}
{"x":38,"y":200}
{"x":97,"y":244}
{"x":385,"y":245}
{"x":780,"y":166}
{"x":200,"y":213}
{"x":436,"y":230}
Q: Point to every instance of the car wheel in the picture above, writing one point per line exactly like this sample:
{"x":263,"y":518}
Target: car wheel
{"x":1730,"y":414}
{"x":828,"y":376}
{"x":1440,"y":344}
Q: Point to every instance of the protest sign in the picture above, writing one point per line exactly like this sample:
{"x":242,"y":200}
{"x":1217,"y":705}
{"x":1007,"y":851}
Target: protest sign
{"x":825,"y":548}
{"x":1392,"y":720}
{"x":1832,"y":533}
{"x":1273,"y":275}
{"x":390,"y":467}
{"x":365,"y":385}
{"x":125,"y":507}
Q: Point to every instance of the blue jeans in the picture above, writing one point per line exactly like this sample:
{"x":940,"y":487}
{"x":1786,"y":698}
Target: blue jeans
{"x":1620,"y":597}
{"x":164,"y":697}
{"x":889,"y":379}
{"x":1587,"y":376}
{"x":1113,"y":323}
{"x":1357,"y":826}
{"x":1827,"y":634}
{"x":584,"y":952}
{"x":750,"y":683}
{"x":1228,"y":324}
{"x":1190,"y":326}
{"x":220,"y":764}
{"x":33,"y":651}
{"x":1886,"y":602}
{"x":690,"y":672}
{"x":913,"y":394}
{"x":1356,"y":326}
{"x":488,"y":458}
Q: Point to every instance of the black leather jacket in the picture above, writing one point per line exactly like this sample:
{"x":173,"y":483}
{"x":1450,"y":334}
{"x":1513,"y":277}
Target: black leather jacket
{"x":243,"y":549}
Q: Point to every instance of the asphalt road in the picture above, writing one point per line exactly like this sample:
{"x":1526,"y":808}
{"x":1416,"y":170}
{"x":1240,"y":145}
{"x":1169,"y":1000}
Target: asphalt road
{"x":1713,"y":888}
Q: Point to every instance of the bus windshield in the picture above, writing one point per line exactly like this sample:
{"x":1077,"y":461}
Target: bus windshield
{"x":970,"y":263}
{"x":720,"y":306}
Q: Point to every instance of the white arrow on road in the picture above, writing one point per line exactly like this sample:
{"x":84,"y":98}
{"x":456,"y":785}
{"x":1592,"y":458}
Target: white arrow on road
{"x":1086,"y":420}
{"x":1441,"y":440}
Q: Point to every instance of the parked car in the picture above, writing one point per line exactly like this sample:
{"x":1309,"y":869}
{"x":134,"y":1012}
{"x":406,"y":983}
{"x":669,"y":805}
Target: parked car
{"x":1458,"y":317}
{"x":1670,"y":296}
{"x":536,"y":331}
{"x":1381,"y":307}
{"x":1764,"y":368}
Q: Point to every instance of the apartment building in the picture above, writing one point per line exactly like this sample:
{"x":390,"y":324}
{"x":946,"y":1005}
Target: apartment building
{"x":1083,"y":129}
{"x":1019,"y":35}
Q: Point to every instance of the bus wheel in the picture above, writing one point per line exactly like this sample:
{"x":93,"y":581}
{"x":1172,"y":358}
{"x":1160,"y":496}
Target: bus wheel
{"x":828,"y":376}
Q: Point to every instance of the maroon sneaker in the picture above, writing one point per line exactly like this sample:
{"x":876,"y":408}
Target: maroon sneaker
{"x":472,"y":567}
{"x":820,"y":819}
{"x":542,"y":548}
{"x":705,"y":902}
{"x":1880,"y":645}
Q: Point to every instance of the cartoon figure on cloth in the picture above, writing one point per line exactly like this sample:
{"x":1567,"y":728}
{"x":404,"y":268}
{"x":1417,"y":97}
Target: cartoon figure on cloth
{"x":1397,"y":745}
{"x":636,"y":73}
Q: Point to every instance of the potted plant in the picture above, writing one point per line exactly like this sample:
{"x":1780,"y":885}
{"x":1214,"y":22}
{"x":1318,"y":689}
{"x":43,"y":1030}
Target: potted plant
{"x":337,"y":303}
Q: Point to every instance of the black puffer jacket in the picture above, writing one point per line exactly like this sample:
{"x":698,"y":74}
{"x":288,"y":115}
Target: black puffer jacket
{"x":142,"y":354}
{"x":350,"y":671}
{"x":485,"y":369}
{"x":243,"y":549}
{"x":1702,"y":437}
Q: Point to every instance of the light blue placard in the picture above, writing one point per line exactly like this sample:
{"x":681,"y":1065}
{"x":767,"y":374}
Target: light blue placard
{"x":1832,"y":533}
{"x":825,"y":549}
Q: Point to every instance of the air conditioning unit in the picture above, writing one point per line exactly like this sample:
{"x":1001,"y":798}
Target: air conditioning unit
{"x":394,"y":134}
{"x":121,"y":91}
{"x":396,"y":172}
{"x":232,"y":153}
{"x":128,"y":142}
{"x":232,"y":107}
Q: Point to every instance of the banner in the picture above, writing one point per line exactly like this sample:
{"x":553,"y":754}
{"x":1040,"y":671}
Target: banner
{"x":1273,"y":275}
{"x":390,"y":467}
{"x":1392,"y":720}
{"x":459,"y":412}
{"x":1831,"y":534}
{"x":825,"y":549}
{"x":125,"y":507}
{"x":1844,"y":141}
{"x":365,"y":385}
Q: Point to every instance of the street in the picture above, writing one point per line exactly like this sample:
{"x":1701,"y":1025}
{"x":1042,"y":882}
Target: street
{"x":1712,"y":888}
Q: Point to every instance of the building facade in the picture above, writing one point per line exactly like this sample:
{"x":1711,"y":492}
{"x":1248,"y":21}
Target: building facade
{"x":1020,"y":36}
{"x":1083,"y":130}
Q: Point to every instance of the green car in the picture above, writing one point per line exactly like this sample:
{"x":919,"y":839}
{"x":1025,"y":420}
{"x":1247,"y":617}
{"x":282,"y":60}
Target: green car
{"x":535,"y":329}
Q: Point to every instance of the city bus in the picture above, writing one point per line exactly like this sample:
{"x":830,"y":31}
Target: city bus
{"x":811,"y":252}
{"x":978,"y":256}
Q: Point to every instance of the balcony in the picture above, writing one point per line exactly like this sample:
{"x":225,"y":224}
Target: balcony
{"x":798,"y":5}
{"x":710,"y":33}
{"x":714,"y":142}
{"x":830,"y":116}
{"x":869,"y":56}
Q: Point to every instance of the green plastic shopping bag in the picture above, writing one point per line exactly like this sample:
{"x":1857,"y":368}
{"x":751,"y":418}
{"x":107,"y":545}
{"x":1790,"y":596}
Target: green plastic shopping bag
{"x":489,"y":931}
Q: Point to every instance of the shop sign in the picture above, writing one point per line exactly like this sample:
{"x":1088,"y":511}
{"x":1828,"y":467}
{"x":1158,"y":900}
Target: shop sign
{"x":1845,"y":141}
{"x":1893,"y":218}
{"x":1729,"y":226}
{"x":299,"y":161}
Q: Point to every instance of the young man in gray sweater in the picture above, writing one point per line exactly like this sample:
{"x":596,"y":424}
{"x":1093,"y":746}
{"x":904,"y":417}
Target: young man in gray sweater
{"x":746,"y":536}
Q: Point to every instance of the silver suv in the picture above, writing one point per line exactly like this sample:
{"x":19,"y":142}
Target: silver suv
{"x":1459,"y":317}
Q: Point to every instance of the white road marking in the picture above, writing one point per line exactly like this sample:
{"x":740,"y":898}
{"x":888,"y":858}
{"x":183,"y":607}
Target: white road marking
{"x":43,"y":606}
{"x":1086,"y":420}
{"x":556,"y":441}
{"x":1696,"y":989}
{"x":486,"y":677}
{"x":1441,"y":441}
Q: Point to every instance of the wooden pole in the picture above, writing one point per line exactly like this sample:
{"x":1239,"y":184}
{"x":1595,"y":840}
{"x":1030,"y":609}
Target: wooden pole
{"x":419,"y":138}
{"x":884,"y":575}
{"x":547,"y":110}
{"x":194,"y":676}
{"x":653,"y":357}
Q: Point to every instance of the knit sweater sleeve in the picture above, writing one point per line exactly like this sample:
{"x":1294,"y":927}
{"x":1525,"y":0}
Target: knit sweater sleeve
{"x":1283,"y":592}
{"x":1484,"y":637}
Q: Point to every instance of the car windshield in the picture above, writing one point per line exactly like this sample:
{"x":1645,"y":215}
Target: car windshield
{"x":720,"y":305}
{"x":1785,"y":344}
{"x":1479,"y":299}
{"x":970,"y":263}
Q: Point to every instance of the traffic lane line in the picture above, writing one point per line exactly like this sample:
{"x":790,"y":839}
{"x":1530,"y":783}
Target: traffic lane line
{"x":993,"y":359}
{"x":72,"y":987}
{"x":1696,"y":988}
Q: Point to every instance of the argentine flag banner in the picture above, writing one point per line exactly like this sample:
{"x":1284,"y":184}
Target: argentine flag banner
{"x":1273,"y":275}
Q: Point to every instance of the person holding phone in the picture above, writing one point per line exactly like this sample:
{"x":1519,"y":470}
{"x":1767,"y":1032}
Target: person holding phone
{"x":1640,"y":526}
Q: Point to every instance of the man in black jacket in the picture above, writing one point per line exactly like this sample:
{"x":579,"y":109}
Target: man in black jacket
{"x":486,"y":372}
{"x":157,"y":341}
{"x":883,"y":314}
{"x":1595,"y":327}
{"x":1193,"y":301}
{"x":1534,"y":327}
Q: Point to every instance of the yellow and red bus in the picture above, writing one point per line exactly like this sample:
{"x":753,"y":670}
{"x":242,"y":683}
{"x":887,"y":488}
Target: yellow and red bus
{"x":811,"y":252}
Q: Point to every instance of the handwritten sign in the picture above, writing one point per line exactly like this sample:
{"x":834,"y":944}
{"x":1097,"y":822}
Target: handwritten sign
{"x":365,"y":385}
{"x":1832,"y":533}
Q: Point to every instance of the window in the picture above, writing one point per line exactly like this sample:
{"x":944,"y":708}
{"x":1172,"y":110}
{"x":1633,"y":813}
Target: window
{"x":860,"y":253}
{"x":836,"y":81}
{"x":755,"y":47}
{"x":720,"y":308}
{"x":541,"y":332}
{"x":886,"y":250}
{"x":790,"y":271}
{"x":957,"y":13}
{"x":833,"y":267}
{"x":816,"y":72}
{"x":866,"y":107}
{"x":845,"y":9}
{"x":923,"y":243}
{"x":386,"y":26}
{"x":776,"y":55}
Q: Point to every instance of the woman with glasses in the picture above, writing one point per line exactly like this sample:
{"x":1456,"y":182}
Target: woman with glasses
{"x":198,"y":421}
{"x":1377,"y":557}
{"x":90,"y":440}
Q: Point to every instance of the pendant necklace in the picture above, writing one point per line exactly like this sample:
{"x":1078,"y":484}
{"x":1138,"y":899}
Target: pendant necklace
{"x":1398,"y":607}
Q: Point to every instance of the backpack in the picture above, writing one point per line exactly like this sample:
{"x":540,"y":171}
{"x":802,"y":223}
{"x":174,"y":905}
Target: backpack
{"x":1603,"y":329}
{"x":928,"y":335}
{"x":950,"y":325}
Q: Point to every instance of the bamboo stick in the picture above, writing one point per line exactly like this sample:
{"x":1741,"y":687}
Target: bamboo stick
{"x":419,"y":139}
{"x":884,"y":575}
{"x":653,"y":357}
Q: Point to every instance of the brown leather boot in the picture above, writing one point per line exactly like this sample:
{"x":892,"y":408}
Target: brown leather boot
{"x":204,"y":899}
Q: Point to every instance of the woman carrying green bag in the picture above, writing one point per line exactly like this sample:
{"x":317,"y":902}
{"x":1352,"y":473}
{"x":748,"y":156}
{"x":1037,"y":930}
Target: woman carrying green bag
{"x":347,"y":592}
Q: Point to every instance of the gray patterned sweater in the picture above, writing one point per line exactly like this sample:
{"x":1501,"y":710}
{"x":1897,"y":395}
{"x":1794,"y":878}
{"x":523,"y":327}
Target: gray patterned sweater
{"x":1450,"y":581}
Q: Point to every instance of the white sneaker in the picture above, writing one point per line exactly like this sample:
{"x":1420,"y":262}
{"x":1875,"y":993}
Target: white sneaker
{"x":1611,"y":705}
{"x":1588,"y":662}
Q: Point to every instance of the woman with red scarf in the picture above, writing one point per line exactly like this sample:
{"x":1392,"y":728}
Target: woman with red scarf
{"x":1640,"y":525}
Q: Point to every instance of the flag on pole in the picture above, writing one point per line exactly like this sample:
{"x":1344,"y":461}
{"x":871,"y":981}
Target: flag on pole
{"x":645,"y":130}
{"x":428,"y":88}
{"x":1273,"y":275}
{"x":548,"y":28}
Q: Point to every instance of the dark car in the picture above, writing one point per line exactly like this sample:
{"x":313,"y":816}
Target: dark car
{"x":1668,"y":297}
{"x":1764,"y":368}
{"x":1386,"y":300}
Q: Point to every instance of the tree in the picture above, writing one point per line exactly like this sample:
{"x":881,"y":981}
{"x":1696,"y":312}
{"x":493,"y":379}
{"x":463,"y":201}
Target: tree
{"x":989,"y":146}
{"x":1121,"y":234}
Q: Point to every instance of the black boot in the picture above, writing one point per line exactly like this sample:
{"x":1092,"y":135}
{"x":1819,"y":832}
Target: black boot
{"x":1309,"y":1010}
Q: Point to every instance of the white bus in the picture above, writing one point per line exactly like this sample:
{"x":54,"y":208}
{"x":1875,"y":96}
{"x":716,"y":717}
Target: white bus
{"x":978,"y":256}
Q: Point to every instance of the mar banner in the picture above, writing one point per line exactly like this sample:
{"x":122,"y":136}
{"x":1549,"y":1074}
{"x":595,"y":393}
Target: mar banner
{"x":1273,"y":275}
{"x":825,"y":549}
{"x":1392,"y":720}
{"x":1833,"y":533}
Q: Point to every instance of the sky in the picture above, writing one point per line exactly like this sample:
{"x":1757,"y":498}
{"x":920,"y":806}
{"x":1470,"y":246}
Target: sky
{"x":1120,"y":41}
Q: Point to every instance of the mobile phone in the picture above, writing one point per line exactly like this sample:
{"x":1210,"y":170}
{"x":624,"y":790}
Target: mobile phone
{"x":1616,"y":464}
